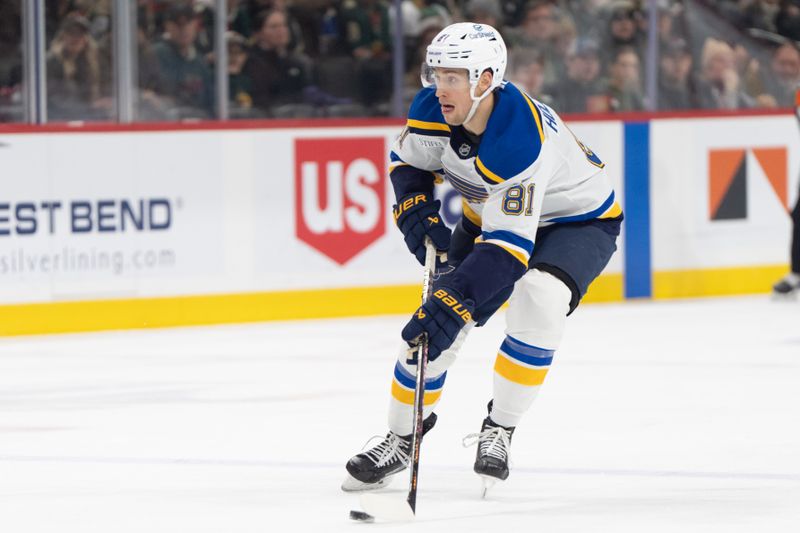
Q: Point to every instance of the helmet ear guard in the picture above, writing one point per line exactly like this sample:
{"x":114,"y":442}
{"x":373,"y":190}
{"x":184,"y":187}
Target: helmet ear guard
{"x":426,"y":75}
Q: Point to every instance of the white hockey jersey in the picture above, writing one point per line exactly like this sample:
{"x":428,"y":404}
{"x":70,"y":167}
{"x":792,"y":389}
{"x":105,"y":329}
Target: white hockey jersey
{"x":528,"y":170}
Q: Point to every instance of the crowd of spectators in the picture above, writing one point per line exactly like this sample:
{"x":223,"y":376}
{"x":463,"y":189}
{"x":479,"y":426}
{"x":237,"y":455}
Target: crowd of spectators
{"x":318,"y":58}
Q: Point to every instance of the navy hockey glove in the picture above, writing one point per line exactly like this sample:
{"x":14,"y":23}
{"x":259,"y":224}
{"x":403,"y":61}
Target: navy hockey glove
{"x":417,"y":216}
{"x":441,"y":317}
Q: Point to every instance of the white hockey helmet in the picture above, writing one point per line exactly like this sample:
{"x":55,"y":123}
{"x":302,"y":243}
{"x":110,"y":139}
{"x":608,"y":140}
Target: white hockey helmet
{"x":472,"y":47}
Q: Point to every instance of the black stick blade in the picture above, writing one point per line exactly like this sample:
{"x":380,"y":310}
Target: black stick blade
{"x":361,"y":516}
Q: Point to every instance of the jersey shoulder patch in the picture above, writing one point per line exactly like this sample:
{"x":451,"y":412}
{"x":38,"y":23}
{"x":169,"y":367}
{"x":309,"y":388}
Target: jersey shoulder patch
{"x":513,"y":138}
{"x":425,"y":115}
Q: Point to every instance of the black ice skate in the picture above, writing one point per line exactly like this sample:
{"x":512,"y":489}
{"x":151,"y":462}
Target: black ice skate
{"x":787,"y":286}
{"x":491,"y":459}
{"x":373,"y":468}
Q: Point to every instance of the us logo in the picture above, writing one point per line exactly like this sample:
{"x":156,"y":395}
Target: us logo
{"x":729,"y":176}
{"x":339,"y":194}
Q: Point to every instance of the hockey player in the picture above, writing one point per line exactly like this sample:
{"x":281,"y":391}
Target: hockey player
{"x":789,"y":285}
{"x":540,"y":222}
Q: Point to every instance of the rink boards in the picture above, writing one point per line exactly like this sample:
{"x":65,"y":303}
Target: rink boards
{"x":148,"y":226}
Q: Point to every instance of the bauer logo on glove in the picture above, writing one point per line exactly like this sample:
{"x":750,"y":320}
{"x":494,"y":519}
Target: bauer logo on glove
{"x":408,"y":202}
{"x":441,"y":318}
{"x":453,"y":304}
{"x":417,"y":216}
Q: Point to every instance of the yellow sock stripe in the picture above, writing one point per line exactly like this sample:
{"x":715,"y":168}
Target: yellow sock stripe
{"x":421,"y":124}
{"x":522,"y":375}
{"x":403,"y":395}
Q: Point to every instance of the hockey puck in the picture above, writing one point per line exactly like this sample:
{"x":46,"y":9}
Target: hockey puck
{"x":361,"y":516}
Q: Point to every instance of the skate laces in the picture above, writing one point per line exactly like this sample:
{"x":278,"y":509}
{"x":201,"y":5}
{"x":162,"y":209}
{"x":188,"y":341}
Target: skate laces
{"x":494,"y":441}
{"x":391,"y":448}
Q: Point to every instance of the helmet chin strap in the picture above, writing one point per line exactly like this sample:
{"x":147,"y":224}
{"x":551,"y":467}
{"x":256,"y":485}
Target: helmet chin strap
{"x":476,"y":100}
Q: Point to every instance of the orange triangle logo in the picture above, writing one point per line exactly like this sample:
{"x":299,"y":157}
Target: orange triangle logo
{"x":774,"y":163}
{"x":723,"y":165}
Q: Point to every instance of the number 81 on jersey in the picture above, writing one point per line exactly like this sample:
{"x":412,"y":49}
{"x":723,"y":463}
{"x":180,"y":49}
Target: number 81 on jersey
{"x":518,"y":198}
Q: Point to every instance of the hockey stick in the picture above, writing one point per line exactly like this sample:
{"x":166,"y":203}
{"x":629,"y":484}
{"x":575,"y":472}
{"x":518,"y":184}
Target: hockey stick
{"x":419,"y":390}
{"x":381,"y":505}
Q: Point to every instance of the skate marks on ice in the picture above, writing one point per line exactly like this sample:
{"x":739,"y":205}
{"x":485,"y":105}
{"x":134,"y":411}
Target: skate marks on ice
{"x":682,"y":421}
{"x":603,"y":501}
{"x":397,"y":484}
{"x":200,"y":493}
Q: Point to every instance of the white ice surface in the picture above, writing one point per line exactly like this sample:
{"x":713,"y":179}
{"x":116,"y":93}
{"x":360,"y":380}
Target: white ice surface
{"x":656,"y":417}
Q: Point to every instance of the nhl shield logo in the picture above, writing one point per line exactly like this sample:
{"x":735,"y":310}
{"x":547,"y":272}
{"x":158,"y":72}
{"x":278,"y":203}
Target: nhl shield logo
{"x":463,"y":150}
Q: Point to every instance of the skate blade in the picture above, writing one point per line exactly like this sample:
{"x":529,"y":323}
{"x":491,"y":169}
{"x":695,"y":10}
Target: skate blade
{"x":487,"y":482}
{"x":387,"y":507}
{"x":351,"y":484}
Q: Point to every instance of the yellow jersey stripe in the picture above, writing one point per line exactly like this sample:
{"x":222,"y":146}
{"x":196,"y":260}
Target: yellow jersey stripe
{"x":486,"y":172}
{"x":519,"y":256}
{"x":519,"y":374}
{"x":470,"y":214}
{"x":421,"y":124}
{"x":614,"y":211}
{"x":406,"y":396}
{"x":535,"y":113}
